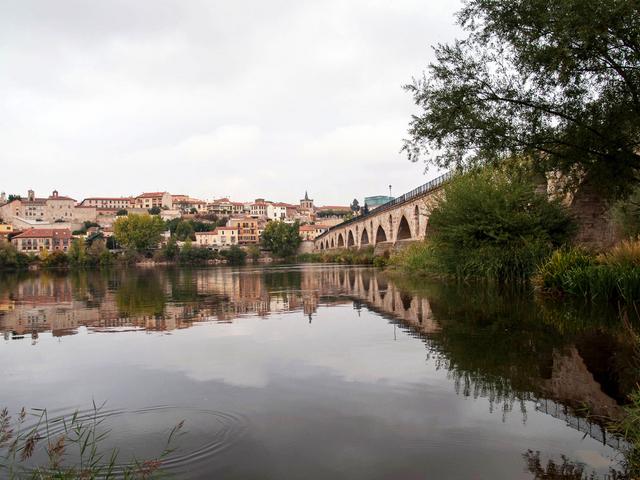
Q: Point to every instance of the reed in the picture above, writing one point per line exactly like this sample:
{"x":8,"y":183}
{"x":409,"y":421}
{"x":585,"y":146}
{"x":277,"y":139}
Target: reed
{"x":71,"y":452}
{"x":613,"y":276}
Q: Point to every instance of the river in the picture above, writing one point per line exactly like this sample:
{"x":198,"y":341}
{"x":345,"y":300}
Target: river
{"x":319,"y":371}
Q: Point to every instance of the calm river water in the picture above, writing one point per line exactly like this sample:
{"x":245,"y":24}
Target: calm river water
{"x":318,"y":371}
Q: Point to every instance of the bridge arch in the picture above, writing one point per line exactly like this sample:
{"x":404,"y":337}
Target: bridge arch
{"x":340,"y":241}
{"x":350,"y":240}
{"x":381,"y":235}
{"x":332,"y":244}
{"x":404,"y":231}
{"x":364,"y":239}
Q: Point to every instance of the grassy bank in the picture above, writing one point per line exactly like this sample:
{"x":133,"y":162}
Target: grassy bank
{"x":613,"y":276}
{"x":364,"y":256}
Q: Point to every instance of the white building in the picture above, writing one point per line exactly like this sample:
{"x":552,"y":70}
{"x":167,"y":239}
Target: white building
{"x":277,"y":211}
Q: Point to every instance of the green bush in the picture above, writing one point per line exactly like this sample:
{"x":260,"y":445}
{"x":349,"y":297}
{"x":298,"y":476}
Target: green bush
{"x":234,"y":255}
{"x":11,"y":259}
{"x":56,"y":259}
{"x":417,"y":258}
{"x":491,"y":224}
{"x":194,"y":255}
{"x":363,"y":256}
{"x":96,"y":254}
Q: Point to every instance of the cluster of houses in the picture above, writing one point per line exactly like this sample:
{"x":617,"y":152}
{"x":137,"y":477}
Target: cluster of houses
{"x":34,"y":224}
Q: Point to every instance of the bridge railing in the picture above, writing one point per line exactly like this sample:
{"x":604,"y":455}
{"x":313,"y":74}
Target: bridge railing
{"x":405,"y":197}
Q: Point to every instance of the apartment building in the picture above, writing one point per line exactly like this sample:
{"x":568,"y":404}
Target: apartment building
{"x":109,"y":203}
{"x":154,"y":199}
{"x":225,"y":207}
{"x":310,"y":232}
{"x":219,"y":238}
{"x":248,"y":229}
{"x":37,"y":240}
{"x":258,"y":208}
{"x":279,"y":211}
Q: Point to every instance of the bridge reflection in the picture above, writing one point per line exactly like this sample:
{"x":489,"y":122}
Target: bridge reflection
{"x":496,"y":345}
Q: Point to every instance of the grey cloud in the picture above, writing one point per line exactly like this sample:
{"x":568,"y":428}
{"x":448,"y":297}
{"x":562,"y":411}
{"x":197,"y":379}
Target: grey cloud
{"x":247,"y":98}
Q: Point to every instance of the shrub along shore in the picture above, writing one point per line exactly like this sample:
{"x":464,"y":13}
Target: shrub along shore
{"x":494,"y":225}
{"x":97,"y":256}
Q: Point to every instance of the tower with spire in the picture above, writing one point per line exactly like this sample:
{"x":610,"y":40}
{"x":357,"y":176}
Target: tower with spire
{"x":306,"y":203}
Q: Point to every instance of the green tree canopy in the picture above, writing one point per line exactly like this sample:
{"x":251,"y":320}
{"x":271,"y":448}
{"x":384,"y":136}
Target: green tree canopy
{"x":557,"y":82}
{"x":281,"y":238}
{"x":492,"y":223}
{"x":138,"y":232}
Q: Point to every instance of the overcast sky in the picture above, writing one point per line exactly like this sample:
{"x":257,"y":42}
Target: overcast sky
{"x":243,"y":98}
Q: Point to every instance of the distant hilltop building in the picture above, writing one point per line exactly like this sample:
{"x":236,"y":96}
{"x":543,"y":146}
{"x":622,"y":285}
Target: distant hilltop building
{"x":246,"y":219}
{"x":38,"y":212}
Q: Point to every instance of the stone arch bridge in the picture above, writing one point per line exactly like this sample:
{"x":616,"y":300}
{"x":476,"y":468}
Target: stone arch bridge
{"x":402,"y":220}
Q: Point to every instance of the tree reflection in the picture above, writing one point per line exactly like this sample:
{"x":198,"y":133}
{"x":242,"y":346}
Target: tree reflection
{"x":140,"y":293}
{"x":563,"y":470}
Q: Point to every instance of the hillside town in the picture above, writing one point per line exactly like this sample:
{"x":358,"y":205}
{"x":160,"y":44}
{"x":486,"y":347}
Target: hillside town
{"x":37,"y":224}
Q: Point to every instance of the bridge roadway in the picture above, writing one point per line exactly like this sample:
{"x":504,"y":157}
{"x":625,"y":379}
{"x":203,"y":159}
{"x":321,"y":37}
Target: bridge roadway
{"x":402,"y":220}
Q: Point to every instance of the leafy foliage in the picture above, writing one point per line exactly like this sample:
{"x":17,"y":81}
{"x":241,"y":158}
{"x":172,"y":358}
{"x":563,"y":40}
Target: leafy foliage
{"x":140,"y":233}
{"x":493,"y":224}
{"x":56,"y":259}
{"x":234,"y":255}
{"x":81,"y":255}
{"x":556,"y":82}
{"x":185,"y":229}
{"x":11,"y":259}
{"x":363,"y":256}
{"x":190,"y":254}
{"x":281,"y":238}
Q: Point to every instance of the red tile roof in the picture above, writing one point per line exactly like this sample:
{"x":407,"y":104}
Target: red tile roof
{"x":151,"y":194}
{"x":60,"y":197}
{"x":45,"y":233}
{"x":109,"y":198}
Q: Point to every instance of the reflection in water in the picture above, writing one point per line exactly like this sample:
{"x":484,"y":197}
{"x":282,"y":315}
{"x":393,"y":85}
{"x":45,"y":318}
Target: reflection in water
{"x":563,"y":470}
{"x":499,"y":346}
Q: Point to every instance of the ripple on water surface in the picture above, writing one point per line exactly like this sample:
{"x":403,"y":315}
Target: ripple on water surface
{"x":143,"y":434}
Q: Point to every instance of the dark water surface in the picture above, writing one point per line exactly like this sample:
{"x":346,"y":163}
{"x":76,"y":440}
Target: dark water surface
{"x":318,"y":371}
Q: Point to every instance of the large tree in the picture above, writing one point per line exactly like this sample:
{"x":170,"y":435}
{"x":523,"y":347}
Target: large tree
{"x":281,"y":238}
{"x":557,"y":82}
{"x":138,"y":232}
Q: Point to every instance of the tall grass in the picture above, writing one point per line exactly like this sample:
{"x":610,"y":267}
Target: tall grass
{"x":416,"y":259}
{"x":610,"y":277}
{"x":73,"y":452}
